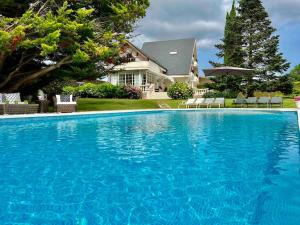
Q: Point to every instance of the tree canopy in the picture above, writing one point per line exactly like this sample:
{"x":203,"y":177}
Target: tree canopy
{"x":295,"y":73}
{"x":230,"y":48}
{"x":51,"y":34}
{"x":249,"y":41}
{"x":260,"y":45}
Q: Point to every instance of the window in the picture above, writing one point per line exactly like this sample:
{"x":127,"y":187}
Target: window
{"x":122,"y":79}
{"x":129,"y":79}
{"x":144,"y":80}
{"x":173,"y":53}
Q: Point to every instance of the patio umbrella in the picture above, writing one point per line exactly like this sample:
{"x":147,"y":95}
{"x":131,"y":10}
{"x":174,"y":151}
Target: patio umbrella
{"x":227,"y":70}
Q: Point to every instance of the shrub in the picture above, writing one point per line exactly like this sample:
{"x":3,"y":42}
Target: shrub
{"x":180,"y":90}
{"x":70,"y":90}
{"x":221,"y":94}
{"x":259,"y":94}
{"x":120,"y":92}
{"x":106,"y":90}
{"x":103,"y":90}
{"x":88,"y":90}
{"x":133,"y":92}
{"x":57,"y":86}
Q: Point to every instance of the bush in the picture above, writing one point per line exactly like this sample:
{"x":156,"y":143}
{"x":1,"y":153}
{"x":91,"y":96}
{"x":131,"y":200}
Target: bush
{"x":259,"y":94}
{"x":103,"y":90}
{"x":106,"y":90}
{"x":180,"y":91}
{"x":88,"y":90}
{"x":283,"y":84}
{"x":221,"y":94}
{"x":57,"y":86}
{"x":133,"y":92}
{"x":70,"y":90}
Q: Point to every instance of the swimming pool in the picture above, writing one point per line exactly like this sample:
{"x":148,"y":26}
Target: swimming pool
{"x":216,"y":167}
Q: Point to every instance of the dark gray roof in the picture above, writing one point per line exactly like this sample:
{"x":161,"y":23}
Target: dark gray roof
{"x":176,"y":64}
{"x":147,"y":56}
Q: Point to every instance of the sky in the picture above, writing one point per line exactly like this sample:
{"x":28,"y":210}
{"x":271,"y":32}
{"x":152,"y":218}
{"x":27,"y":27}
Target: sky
{"x":205,"y":19}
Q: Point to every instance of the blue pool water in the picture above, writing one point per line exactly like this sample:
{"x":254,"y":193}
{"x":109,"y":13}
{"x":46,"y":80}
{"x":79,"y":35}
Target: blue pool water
{"x":203,"y":168}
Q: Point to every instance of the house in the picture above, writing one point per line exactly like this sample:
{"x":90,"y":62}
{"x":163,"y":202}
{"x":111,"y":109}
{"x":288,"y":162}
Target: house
{"x":157,"y":65}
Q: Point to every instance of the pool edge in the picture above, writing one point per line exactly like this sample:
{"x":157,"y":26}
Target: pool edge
{"x":142,"y":110}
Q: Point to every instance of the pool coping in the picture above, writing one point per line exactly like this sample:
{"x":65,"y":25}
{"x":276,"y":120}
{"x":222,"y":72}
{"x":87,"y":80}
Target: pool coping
{"x":144,"y":110}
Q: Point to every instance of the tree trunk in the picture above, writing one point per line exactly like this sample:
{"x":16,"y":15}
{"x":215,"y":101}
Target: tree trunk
{"x":27,"y":80}
{"x":2,"y":59}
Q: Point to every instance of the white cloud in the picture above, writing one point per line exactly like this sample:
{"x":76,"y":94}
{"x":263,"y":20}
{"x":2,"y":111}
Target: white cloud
{"x":202,"y":19}
{"x":206,"y":43}
{"x":283,"y":11}
{"x":171,"y":19}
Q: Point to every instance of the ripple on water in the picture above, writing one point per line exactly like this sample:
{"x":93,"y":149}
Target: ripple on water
{"x":228,"y":167}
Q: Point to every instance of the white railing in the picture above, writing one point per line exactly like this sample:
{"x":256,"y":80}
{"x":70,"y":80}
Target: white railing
{"x":143,"y":87}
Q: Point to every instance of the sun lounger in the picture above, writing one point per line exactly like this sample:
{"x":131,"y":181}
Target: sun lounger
{"x":251,"y":101}
{"x":239,"y":101}
{"x":208,"y":102}
{"x":188,"y":103}
{"x":199,"y":102}
{"x":263,"y":101}
{"x":220,"y":102}
{"x":276,"y":101}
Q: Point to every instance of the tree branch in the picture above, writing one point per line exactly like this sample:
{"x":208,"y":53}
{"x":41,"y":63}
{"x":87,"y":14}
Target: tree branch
{"x":14,"y":73}
{"x":39,"y":74}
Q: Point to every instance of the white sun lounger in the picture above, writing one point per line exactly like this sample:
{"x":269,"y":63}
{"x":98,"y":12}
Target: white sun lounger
{"x":208,"y":102}
{"x":190,"y":102}
{"x":199,"y":102}
{"x":220,"y":102}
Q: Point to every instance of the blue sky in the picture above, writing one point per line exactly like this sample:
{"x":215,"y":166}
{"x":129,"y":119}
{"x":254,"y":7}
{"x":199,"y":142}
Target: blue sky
{"x":204,"y":20}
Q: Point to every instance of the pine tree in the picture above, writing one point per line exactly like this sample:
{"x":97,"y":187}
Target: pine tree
{"x":231,"y":47}
{"x":260,"y":45}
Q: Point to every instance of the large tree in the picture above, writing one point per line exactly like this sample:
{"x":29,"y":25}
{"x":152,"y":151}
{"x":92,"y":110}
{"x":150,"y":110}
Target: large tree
{"x":52,"y":34}
{"x":295,"y":73}
{"x":260,"y":44}
{"x":230,"y":48}
{"x":13,"y":8}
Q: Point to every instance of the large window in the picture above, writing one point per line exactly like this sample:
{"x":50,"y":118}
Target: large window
{"x":127,"y":79}
{"x":122,"y":79}
{"x":144,"y":81}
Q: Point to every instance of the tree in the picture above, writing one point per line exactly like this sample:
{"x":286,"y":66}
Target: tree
{"x":226,"y":83}
{"x":295,"y":73}
{"x":52,"y":34}
{"x":231,"y":47}
{"x":13,"y":8}
{"x":260,"y":45}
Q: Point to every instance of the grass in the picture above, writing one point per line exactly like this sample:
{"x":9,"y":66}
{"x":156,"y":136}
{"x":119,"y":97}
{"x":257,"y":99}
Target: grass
{"x":87,"y":104}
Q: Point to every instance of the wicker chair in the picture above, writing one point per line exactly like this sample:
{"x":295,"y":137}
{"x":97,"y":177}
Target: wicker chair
{"x":13,"y":109}
{"x":65,"y":104}
{"x":11,"y":104}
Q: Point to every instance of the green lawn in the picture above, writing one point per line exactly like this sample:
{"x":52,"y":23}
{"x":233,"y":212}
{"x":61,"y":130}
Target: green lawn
{"x":86,"y":104}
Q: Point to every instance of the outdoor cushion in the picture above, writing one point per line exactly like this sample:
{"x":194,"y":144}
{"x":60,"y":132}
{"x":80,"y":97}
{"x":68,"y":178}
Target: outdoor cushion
{"x":276,"y":100}
{"x":65,"y":98}
{"x":12,"y":98}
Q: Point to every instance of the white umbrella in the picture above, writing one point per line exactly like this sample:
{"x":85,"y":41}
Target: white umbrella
{"x":227,"y":70}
